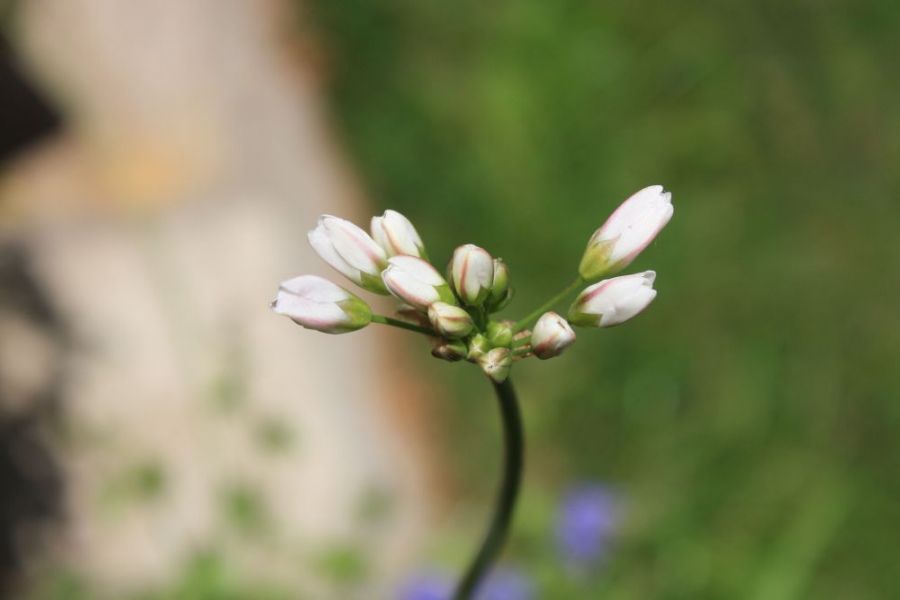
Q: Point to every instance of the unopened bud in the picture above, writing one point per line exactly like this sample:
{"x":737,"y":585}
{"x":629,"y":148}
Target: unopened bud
{"x":450,"y":321}
{"x":472,"y":274}
{"x":551,"y":336}
{"x":350,"y":250}
{"x":478,"y":347}
{"x":316,"y":303}
{"x":613,"y":301}
{"x":416,"y":282}
{"x":450,"y":350}
{"x":496,"y":364}
{"x":501,"y":292}
{"x":626,"y":232}
{"x":500,"y":333}
{"x":396,"y":235}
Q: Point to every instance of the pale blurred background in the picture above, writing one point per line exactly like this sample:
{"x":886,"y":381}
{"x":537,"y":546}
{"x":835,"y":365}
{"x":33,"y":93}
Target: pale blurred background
{"x":164,"y":436}
{"x":144,"y":234}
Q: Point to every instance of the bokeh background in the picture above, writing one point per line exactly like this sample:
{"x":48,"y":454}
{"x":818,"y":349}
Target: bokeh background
{"x":738,"y":440}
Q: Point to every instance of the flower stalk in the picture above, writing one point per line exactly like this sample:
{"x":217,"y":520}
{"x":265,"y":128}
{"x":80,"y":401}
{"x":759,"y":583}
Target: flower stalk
{"x":383,"y":320}
{"x":533,"y":316}
{"x":504,"y":509}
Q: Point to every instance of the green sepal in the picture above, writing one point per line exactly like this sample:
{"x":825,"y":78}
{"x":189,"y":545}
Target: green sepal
{"x":358,"y":313}
{"x":595,"y":261}
{"x":581,"y":319}
{"x":496,"y":306}
{"x":373,"y":283}
{"x":445,"y":293}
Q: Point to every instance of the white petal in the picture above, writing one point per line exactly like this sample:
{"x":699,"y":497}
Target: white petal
{"x":354,"y":245}
{"x":628,"y":307}
{"x":315,"y":315}
{"x":402,"y":236}
{"x":409,"y":288}
{"x":418,"y":268}
{"x":633,"y":208}
{"x":480,"y":272}
{"x":321,"y":243}
{"x":472,"y":270}
{"x":380,"y":235}
{"x":317,"y":289}
{"x":618,"y":299}
{"x":640,"y":232}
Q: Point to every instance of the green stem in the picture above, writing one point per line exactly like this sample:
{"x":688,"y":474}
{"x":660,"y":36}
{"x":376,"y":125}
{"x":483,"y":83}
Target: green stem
{"x":514,"y":451}
{"x":401,"y":324}
{"x":520,"y":343}
{"x":533,"y":316}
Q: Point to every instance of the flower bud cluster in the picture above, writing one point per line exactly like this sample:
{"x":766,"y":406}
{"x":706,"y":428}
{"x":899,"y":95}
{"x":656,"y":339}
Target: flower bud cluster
{"x":458,"y":311}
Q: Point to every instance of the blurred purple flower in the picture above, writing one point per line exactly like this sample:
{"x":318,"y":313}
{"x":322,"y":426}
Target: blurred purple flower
{"x":426,"y":586}
{"x":506,"y":584}
{"x":502,"y":584}
{"x":585,"y":523}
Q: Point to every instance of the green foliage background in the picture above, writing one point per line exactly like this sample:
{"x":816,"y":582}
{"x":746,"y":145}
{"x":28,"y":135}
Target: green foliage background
{"x":751,"y":416}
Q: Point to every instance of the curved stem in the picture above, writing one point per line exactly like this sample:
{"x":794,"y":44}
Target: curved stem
{"x":401,"y":324}
{"x":514,"y":446}
{"x":533,"y":316}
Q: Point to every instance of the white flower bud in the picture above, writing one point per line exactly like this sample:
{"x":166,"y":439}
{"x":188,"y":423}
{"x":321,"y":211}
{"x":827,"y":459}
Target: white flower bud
{"x":351,"y":251}
{"x":496,"y":364}
{"x":551,"y":336}
{"x":396,"y":235}
{"x":416,"y":282}
{"x":472,"y":274}
{"x":316,"y":303}
{"x":626,"y":232}
{"x":613,"y":301}
{"x":450,"y":321}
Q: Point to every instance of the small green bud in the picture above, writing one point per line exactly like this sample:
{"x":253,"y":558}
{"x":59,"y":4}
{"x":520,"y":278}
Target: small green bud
{"x":496,"y":364}
{"x":500,"y":333}
{"x":501,"y":292}
{"x":478,"y":347}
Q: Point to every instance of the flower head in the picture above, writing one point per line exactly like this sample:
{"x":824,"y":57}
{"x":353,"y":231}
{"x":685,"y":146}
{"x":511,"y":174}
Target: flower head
{"x":626,"y":232}
{"x":316,"y":303}
{"x":551,"y":336}
{"x":397,"y":235}
{"x":350,"y":251}
{"x":613,"y":301}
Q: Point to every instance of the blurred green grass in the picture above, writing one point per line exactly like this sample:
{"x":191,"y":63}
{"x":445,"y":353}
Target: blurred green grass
{"x":751,"y":415}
